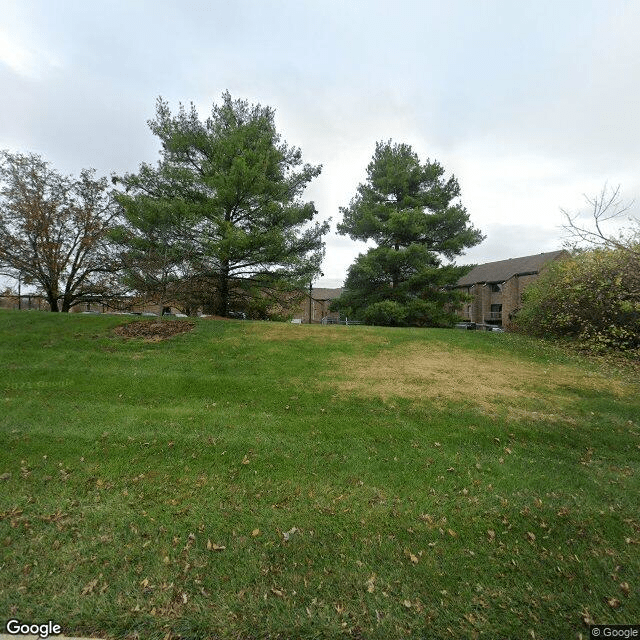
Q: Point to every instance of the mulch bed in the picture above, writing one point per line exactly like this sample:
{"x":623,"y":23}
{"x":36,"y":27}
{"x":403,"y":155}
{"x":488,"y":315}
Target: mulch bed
{"x":154,"y":330}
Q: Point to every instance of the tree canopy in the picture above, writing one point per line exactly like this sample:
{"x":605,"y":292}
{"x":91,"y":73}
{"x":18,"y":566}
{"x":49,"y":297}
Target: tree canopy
{"x":53,"y":229}
{"x":594,"y":296}
{"x":414,"y":216}
{"x":221,"y":215}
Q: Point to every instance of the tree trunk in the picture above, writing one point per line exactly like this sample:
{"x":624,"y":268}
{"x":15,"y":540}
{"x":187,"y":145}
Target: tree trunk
{"x":223,"y":290}
{"x":395,"y":279}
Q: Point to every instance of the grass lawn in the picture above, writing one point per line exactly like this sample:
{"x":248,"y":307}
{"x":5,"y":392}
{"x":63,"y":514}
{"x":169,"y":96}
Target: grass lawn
{"x":262,"y":480}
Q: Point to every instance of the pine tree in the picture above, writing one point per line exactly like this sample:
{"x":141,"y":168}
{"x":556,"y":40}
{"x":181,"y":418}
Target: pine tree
{"x":221,"y":213}
{"x":415,"y":218}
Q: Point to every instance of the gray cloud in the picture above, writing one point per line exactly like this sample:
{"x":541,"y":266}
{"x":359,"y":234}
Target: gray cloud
{"x":529,"y":104}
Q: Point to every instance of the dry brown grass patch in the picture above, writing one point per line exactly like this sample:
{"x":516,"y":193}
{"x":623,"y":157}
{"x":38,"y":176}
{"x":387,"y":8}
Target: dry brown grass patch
{"x":421,"y":372}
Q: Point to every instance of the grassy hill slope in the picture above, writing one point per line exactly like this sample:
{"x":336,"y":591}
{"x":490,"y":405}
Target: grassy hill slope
{"x":254,"y":480}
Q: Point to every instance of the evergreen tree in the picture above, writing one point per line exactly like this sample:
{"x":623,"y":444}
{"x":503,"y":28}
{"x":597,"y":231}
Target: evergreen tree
{"x":221,"y":214}
{"x":414,"y":216}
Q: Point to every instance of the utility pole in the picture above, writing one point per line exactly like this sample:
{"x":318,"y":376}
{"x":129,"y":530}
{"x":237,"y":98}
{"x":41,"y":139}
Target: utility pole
{"x":310,"y":294}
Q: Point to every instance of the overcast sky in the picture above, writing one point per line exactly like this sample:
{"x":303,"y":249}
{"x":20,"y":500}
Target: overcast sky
{"x":531,"y":104}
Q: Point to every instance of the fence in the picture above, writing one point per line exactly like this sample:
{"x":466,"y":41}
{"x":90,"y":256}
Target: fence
{"x":39,"y":303}
{"x":346,"y":321}
{"x":26,"y":302}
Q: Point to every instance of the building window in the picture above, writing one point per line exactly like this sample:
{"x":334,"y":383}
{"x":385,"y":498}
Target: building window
{"x":496,"y":288}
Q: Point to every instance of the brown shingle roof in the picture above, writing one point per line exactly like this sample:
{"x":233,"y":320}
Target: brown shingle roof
{"x":325,"y":294}
{"x":505,"y":269}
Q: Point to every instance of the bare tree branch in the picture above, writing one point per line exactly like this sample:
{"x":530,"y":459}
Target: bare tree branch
{"x":605,"y":207}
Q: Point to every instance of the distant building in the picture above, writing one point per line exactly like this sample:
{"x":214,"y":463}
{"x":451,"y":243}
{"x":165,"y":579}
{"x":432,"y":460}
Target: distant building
{"x":318,"y":303}
{"x":496,"y":287}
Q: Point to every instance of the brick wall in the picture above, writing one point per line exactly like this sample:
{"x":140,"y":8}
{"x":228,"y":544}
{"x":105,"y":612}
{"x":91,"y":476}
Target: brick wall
{"x":482,"y":297}
{"x":512,"y":295}
{"x":481,"y":301}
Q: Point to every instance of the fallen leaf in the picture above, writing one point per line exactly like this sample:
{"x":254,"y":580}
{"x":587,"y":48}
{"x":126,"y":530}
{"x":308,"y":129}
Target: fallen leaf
{"x":586,"y":617}
{"x":492,"y":534}
{"x":531,"y":537}
{"x":212,"y":546}
{"x":89,"y":587}
{"x":371,"y":587}
{"x":452,"y":533}
{"x":255,"y":532}
{"x":614,"y":603}
{"x":413,"y":558}
{"x":407,"y":603}
{"x":624,"y":587}
{"x":277,"y":592}
{"x":287,"y":534}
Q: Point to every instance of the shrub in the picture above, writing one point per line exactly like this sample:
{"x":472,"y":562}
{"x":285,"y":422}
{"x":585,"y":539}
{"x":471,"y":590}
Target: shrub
{"x":387,"y":313}
{"x":593,"y":296}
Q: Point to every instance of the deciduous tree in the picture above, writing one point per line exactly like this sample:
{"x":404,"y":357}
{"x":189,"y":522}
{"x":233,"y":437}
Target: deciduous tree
{"x":594,"y":296}
{"x":53,"y":229}
{"x":605,"y":209}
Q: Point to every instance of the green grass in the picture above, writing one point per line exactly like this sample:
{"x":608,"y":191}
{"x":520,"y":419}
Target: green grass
{"x":125,"y":463}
